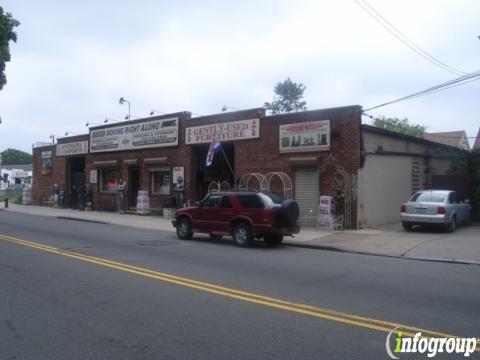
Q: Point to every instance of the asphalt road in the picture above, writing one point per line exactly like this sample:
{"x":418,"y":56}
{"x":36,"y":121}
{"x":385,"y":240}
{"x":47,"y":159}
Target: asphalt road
{"x":79,"y":290}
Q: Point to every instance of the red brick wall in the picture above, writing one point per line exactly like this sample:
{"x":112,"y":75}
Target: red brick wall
{"x":255,"y":155}
{"x":42,"y":185}
{"x":262,"y":155}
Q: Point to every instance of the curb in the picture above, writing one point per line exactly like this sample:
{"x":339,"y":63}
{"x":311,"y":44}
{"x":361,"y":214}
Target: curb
{"x":401,"y":257}
{"x":80,"y":219}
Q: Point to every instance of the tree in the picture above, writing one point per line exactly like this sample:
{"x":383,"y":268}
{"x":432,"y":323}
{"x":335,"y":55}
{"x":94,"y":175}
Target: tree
{"x":7,"y":23}
{"x":402,"y":126}
{"x":288,"y":98}
{"x":15,"y":157}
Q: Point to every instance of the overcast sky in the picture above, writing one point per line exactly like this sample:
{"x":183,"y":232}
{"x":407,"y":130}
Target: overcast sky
{"x":75,"y":59}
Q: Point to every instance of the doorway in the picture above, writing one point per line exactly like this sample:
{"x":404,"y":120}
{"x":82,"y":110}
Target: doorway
{"x":133,"y":186}
{"x":75,"y":184}
{"x":221,"y":169}
{"x":307,"y":195}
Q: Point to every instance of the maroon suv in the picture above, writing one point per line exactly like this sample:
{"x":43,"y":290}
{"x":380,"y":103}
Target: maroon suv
{"x":244,"y":215}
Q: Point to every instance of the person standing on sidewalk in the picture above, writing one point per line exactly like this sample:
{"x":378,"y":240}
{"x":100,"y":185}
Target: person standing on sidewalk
{"x":56,"y":192}
{"x":121,"y":196}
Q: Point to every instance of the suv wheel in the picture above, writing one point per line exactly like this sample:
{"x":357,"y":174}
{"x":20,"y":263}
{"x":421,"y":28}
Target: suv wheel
{"x":184,"y":229}
{"x":273,"y":239}
{"x":242,"y":235}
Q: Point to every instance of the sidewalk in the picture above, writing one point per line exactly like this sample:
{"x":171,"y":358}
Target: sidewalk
{"x":463,"y":246}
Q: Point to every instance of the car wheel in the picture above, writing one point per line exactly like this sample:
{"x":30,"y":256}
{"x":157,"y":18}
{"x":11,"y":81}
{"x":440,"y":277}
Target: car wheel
{"x":216,"y":237}
{"x":242,"y":235}
{"x":407,"y":226}
{"x":184,"y":229}
{"x":452,"y":225}
{"x":273,"y":239}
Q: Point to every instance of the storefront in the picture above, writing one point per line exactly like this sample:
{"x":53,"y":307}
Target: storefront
{"x":300,"y":155}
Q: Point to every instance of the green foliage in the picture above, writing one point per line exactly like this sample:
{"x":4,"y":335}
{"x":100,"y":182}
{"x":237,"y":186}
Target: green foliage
{"x":15,"y":157}
{"x":402,"y":126}
{"x":7,"y":23}
{"x":14,"y":196}
{"x":288,"y":98}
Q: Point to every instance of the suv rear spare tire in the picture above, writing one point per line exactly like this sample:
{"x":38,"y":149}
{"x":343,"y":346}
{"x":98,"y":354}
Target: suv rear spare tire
{"x":289,"y":212}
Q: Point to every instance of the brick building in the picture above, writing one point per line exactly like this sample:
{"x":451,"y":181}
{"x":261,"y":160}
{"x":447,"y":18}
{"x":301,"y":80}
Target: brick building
{"x":301,"y":155}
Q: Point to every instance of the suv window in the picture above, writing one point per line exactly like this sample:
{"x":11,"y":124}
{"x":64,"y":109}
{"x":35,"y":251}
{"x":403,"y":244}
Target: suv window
{"x":276,"y":199}
{"x":210,"y":201}
{"x":225,"y":202}
{"x":250,"y":201}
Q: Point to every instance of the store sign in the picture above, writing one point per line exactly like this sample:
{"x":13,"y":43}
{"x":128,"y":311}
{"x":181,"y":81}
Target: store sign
{"x":46,"y":168}
{"x":19,"y":173}
{"x":74,"y":148}
{"x":303,"y":137}
{"x":149,"y":134}
{"x":229,"y":131}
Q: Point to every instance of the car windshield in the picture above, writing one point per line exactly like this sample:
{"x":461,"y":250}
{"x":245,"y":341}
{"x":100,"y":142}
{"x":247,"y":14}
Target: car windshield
{"x":428,"y":197}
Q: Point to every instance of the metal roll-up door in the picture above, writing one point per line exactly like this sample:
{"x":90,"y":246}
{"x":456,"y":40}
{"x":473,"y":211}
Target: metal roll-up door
{"x":307,"y":195}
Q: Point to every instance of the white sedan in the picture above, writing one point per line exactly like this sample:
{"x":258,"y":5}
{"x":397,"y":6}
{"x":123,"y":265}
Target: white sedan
{"x":435,"y":207}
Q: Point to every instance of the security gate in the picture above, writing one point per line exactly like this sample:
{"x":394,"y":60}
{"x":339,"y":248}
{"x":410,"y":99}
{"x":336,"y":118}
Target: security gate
{"x":307,"y":195}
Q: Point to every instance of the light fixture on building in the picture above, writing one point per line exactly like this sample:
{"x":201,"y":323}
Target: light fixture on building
{"x":91,"y":123}
{"x":122,"y":101}
{"x":153,"y":111}
{"x":226,"y":107}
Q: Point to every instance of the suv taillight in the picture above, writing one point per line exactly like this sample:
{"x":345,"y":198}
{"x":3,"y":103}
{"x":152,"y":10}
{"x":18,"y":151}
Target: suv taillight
{"x":441,"y":210}
{"x":403,"y":208}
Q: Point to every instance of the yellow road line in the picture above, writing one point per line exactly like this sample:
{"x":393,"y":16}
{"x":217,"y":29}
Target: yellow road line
{"x":359,"y":321}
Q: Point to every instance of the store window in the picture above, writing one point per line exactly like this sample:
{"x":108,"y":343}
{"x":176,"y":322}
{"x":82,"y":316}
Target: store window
{"x":109,"y":179}
{"x":160,"y":180}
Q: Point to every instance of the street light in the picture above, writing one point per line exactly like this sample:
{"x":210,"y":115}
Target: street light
{"x":53,"y":136}
{"x":122,"y":101}
{"x":70,"y":133}
{"x":91,"y":123}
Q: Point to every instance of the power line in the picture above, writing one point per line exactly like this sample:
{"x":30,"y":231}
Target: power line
{"x":443,"y":86}
{"x":404,"y":39}
{"x":435,"y":134}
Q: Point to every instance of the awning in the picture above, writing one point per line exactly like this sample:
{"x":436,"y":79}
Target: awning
{"x":106,"y":163}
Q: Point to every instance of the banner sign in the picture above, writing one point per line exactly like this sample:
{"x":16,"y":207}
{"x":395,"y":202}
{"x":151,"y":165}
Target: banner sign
{"x":46,"y":168}
{"x":73,"y":148}
{"x":149,"y":134}
{"x":303,"y":137}
{"x":228,"y":131}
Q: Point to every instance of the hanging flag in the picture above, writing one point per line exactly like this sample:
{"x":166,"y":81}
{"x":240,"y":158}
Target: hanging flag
{"x":214,"y":148}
